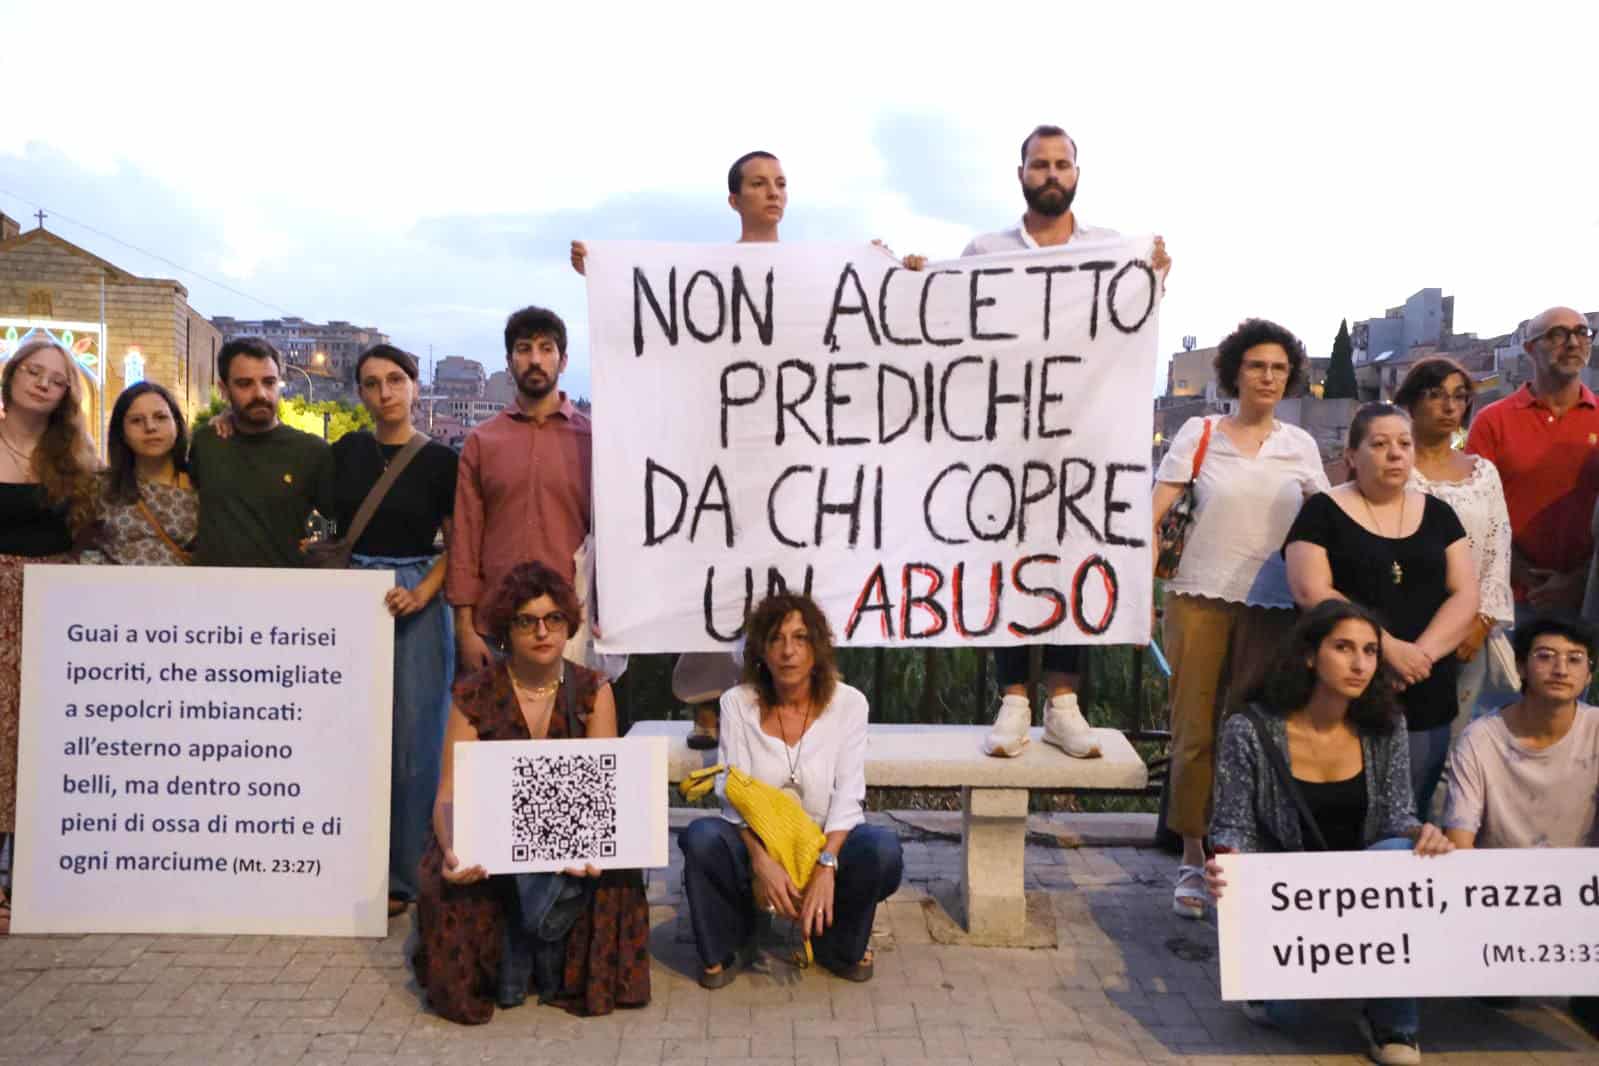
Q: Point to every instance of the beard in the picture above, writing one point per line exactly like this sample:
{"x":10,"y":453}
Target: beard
{"x":534,"y":385}
{"x":259,"y":413}
{"x":1051,"y":199}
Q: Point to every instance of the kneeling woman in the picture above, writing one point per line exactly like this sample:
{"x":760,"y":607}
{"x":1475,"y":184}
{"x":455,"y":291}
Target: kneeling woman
{"x":580,"y":937}
{"x":795,"y":726}
{"x":1321,"y":762}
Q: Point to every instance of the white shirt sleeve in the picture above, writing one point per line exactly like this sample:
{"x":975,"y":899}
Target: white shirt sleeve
{"x":1466,"y":784}
{"x":846,"y":808}
{"x":1497,"y":602}
{"x":1178,"y":465}
{"x":733,"y":744}
{"x":1315,"y":476}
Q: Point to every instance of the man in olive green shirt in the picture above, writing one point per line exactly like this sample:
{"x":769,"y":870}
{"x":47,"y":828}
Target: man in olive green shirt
{"x":258,"y":487}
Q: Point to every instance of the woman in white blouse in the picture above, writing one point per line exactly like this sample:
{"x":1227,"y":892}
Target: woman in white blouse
{"x":1229,"y":598}
{"x":1438,"y":394}
{"x":794,"y":725}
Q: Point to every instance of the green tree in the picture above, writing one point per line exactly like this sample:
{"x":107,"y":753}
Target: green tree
{"x":339,"y":417}
{"x":1340,"y":384}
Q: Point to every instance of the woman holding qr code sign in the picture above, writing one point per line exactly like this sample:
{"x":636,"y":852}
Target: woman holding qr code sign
{"x":792,"y":725}
{"x":578,"y":939}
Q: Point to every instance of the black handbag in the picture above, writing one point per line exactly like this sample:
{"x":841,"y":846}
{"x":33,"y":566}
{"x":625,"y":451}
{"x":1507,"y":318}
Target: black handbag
{"x":1172,"y":533}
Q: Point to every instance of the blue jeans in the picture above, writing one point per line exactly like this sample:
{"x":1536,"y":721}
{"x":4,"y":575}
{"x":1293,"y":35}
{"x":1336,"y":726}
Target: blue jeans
{"x":424,"y":667}
{"x":719,"y":883}
{"x":1400,"y":1015}
{"x":1429,"y":750}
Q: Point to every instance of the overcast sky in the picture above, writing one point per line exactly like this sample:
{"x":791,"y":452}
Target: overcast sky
{"x":421,"y":168}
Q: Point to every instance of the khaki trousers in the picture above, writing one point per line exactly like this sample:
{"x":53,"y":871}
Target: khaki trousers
{"x":1218,"y":651}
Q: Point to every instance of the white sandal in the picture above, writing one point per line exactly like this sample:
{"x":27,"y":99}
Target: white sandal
{"x":1190,"y":886}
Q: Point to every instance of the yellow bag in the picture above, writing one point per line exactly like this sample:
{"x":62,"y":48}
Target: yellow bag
{"x":772,"y":814}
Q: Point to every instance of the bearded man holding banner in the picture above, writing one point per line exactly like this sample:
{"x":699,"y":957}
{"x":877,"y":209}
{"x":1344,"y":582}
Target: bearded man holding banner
{"x":1048,"y":175}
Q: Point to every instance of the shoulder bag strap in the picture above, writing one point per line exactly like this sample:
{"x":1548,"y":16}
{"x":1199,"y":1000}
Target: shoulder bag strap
{"x":391,"y":474}
{"x":1199,"y":453}
{"x":568,"y":699}
{"x":1280,"y":765}
{"x":160,"y":531}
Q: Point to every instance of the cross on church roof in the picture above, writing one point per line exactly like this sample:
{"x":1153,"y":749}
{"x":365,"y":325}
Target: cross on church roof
{"x":41,"y":216}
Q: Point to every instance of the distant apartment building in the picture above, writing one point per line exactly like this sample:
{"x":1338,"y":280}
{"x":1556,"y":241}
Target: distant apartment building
{"x":501,"y":389}
{"x":326,"y":351}
{"x":456,"y":375}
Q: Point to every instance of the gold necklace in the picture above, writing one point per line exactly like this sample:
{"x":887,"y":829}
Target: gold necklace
{"x":22,"y":457}
{"x":1396,"y":571}
{"x":539,"y":691}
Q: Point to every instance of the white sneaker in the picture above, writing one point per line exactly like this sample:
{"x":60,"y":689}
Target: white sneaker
{"x":1009,"y":735}
{"x":1067,"y":729}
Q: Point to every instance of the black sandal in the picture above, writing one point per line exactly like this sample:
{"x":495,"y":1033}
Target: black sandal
{"x":860,"y":973}
{"x":719,"y":978}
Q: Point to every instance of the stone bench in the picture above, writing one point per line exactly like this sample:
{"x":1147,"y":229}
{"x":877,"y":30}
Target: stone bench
{"x":993,"y":798}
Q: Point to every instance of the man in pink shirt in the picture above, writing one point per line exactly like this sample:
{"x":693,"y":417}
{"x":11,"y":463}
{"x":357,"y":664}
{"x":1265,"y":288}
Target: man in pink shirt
{"x":525,"y":488}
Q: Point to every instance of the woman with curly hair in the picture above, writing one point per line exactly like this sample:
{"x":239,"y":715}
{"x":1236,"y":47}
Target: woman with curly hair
{"x":579,"y":939}
{"x":793,"y":725}
{"x":45,"y":457}
{"x":1324,"y":726}
{"x":1229,"y":597}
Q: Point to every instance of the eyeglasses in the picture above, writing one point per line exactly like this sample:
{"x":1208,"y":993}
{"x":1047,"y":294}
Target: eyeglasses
{"x":1558,"y":335}
{"x":1266,"y":370}
{"x":1547,"y":657}
{"x":554,"y":622}
{"x":39,"y":373}
{"x":1437,"y":394}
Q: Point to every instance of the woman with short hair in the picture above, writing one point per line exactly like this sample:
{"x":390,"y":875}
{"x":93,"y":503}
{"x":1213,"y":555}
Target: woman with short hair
{"x":46,"y":458}
{"x":1325,"y":714}
{"x":578,"y":939}
{"x":1229,"y":597}
{"x":1403,"y":555}
{"x":795,"y":726}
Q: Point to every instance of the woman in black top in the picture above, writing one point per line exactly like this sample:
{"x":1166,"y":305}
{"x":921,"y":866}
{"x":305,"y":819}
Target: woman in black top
{"x":45,"y":460}
{"x":400,"y":537}
{"x":1403,"y":555}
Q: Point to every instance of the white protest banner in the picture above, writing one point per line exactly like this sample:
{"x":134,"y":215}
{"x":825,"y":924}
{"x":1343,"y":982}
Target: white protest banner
{"x":956,"y":456}
{"x":1334,"y":925}
{"x":533,"y":806}
{"x":204,"y":751}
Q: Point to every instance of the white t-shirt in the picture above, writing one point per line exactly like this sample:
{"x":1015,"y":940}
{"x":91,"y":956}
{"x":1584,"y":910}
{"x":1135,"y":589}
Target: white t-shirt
{"x":1243,"y":509}
{"x":1017,"y":239}
{"x":830,"y":757}
{"x":1514,"y":797}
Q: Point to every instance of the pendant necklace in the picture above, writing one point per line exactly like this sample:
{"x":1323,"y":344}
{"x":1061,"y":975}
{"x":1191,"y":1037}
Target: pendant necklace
{"x":793,"y":784}
{"x":1395,"y":570}
{"x":23,"y":458}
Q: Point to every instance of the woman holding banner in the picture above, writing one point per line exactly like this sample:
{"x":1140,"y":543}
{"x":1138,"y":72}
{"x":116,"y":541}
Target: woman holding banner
{"x":1405,"y":556}
{"x":793,"y":725}
{"x":45,"y":460}
{"x":1228,"y":598}
{"x":1319,"y":762}
{"x":579,"y":938}
{"x":143,"y":509}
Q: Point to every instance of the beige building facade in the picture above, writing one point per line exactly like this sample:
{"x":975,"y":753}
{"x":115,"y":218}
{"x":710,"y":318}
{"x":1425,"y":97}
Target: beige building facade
{"x":121,"y":328}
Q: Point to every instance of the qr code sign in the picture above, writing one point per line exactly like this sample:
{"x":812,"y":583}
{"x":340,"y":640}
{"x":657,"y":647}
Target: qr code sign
{"x":563,"y":807}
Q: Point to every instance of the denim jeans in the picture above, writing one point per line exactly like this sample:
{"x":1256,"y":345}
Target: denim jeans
{"x":718,"y":880}
{"x":1429,"y":750}
{"x":424,"y":667}
{"x":1400,"y":1015}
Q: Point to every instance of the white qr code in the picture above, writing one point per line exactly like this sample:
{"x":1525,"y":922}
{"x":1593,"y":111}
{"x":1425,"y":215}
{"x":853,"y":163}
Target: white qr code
{"x":563,"y":807}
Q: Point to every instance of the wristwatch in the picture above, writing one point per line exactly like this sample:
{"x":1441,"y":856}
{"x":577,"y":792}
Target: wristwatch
{"x":829,"y":860}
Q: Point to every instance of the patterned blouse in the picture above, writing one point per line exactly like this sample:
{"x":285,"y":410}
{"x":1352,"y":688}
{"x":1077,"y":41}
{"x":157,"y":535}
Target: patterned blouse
{"x":1479,"y":502}
{"x":124,"y":535}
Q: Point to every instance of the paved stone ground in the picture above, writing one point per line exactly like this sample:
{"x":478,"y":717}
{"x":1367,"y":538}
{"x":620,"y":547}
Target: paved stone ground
{"x":1129,"y":983}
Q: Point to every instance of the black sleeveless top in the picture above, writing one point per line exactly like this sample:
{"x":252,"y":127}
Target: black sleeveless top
{"x":29,"y":525}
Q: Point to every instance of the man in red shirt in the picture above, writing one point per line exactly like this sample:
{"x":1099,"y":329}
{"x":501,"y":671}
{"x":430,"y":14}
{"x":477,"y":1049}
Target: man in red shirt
{"x":1544,"y":438}
{"x":525,"y":488}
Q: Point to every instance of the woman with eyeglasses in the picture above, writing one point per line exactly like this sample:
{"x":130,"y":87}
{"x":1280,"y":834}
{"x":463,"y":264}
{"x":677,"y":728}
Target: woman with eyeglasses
{"x":144,"y":510}
{"x":46,"y":458}
{"x":578,"y":939}
{"x":1229,"y":599}
{"x":1437,"y":392}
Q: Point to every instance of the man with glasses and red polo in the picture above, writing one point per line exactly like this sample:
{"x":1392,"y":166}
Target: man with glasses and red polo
{"x":1544,"y":439}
